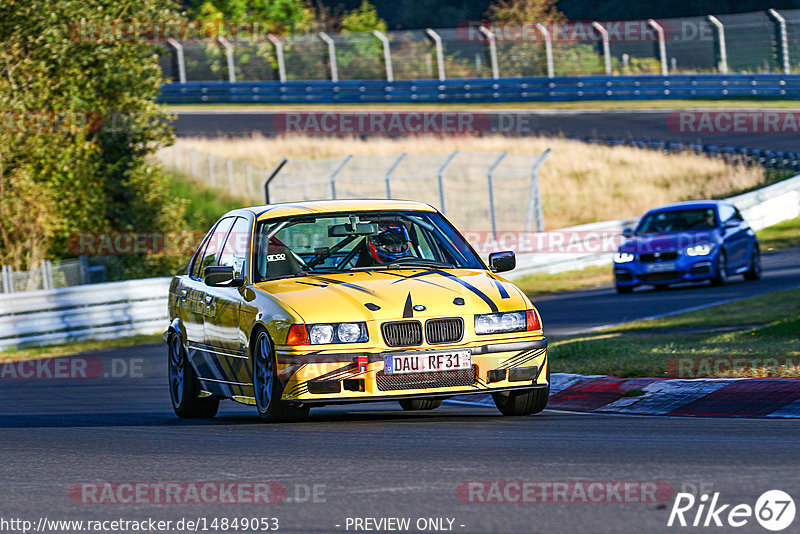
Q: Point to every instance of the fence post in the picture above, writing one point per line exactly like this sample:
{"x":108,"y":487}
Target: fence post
{"x":490,"y":185}
{"x":279,"y":55}
{"x":439,"y":52}
{"x":248,"y":171}
{"x":535,"y":198}
{"x":271,"y":176}
{"x":440,"y":179}
{"x":179,"y":54}
{"x":783,"y":39}
{"x":606,"y":49}
{"x":228,"y":57}
{"x":229,"y":165}
{"x":335,"y":172}
{"x":193,"y":163}
{"x":211,"y":179}
{"x":492,"y":51}
{"x":387,"y":54}
{"x":83,"y":268}
{"x":723,"y":53}
{"x":387,"y":177}
{"x":331,"y":55}
{"x":548,"y":48}
{"x":8,"y":281}
{"x":662,"y":45}
{"x":47,"y":275}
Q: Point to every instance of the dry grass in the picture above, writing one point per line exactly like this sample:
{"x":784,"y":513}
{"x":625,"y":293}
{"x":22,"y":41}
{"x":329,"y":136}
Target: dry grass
{"x":580,"y":182}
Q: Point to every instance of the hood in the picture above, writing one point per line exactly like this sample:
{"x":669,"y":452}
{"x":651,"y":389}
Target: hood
{"x":392,"y":294}
{"x":665,"y":242}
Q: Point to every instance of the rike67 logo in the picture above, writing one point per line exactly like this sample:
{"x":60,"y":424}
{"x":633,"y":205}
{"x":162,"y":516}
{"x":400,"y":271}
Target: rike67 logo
{"x":774,"y":510}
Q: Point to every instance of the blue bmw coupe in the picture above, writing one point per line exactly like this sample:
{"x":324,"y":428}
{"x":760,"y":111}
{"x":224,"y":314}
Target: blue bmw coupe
{"x":687,"y":242}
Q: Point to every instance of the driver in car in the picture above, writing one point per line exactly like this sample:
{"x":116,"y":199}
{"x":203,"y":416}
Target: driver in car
{"x":389,"y":245}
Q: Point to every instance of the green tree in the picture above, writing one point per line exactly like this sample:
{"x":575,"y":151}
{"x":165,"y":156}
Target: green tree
{"x":79,"y":124}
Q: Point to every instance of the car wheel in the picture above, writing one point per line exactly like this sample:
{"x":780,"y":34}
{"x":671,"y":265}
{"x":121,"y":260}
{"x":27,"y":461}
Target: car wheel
{"x":420,"y":404}
{"x":754,"y":273}
{"x":624,"y":290}
{"x":267,"y":388}
{"x":722,"y":271}
{"x":184,"y":387}
{"x":524,"y":402}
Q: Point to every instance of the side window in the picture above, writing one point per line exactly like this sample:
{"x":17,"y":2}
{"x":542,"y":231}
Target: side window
{"x":726,"y":211}
{"x":215,"y":240}
{"x":198,"y":257}
{"x":235,"y":249}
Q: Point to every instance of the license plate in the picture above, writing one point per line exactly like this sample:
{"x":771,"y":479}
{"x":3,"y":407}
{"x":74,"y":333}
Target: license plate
{"x":426,"y":362}
{"x":661,"y":267}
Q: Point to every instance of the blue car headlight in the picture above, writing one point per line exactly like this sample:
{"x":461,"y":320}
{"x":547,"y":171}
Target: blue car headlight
{"x":623,"y":257}
{"x":703,"y":249}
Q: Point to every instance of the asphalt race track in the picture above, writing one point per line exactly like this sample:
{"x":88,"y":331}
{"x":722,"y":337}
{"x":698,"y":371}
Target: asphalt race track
{"x":377,"y":461}
{"x":643,"y":125}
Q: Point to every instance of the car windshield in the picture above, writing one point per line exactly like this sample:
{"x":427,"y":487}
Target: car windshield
{"x":337,"y":242}
{"x":678,"y":221}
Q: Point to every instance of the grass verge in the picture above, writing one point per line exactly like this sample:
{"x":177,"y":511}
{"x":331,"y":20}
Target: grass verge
{"x":782,"y":235}
{"x":538,"y":284}
{"x":754,"y":337}
{"x":75,"y":347}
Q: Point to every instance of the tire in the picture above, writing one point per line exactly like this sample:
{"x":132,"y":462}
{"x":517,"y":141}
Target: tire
{"x":754,"y":273}
{"x":184,"y":387}
{"x":524,"y":402}
{"x":267,"y":388}
{"x":721,"y":277}
{"x":420,"y":404}
{"x":624,"y":290}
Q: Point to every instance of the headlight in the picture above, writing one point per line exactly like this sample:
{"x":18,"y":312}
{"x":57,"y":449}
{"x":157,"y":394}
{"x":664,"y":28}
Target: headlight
{"x":348,"y":332}
{"x":700,"y":250}
{"x":623,"y":257}
{"x":322,"y":334}
{"x":495,"y":323}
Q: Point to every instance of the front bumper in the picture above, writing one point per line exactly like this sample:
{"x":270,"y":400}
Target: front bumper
{"x":357,"y":377}
{"x":685,"y":269}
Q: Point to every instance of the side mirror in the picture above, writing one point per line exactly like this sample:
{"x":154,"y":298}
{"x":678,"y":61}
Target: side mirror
{"x":627,"y":232}
{"x":500,"y":262}
{"x":220,"y":276}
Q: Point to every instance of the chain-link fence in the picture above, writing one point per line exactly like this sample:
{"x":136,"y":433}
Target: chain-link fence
{"x":478,"y":191}
{"x":51,"y":275}
{"x":759,"y":42}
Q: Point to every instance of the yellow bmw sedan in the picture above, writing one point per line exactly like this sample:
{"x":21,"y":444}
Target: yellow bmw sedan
{"x":290,"y":306}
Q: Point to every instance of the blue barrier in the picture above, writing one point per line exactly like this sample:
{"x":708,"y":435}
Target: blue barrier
{"x":563,"y":88}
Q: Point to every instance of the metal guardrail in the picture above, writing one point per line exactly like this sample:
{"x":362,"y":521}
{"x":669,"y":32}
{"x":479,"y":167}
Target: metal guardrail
{"x":93,"y":311}
{"x":537,"y":88}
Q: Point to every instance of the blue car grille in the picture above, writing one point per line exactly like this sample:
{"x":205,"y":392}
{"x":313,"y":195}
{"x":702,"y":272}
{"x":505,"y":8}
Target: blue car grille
{"x":649,"y":257}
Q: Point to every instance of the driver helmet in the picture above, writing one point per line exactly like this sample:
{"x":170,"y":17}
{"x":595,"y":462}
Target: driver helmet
{"x":389,"y":244}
